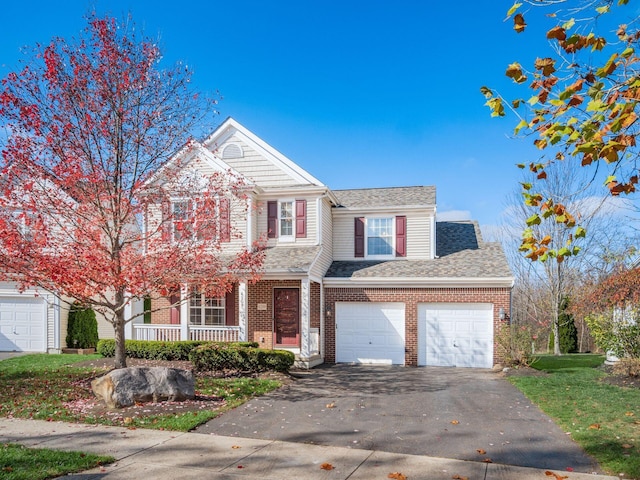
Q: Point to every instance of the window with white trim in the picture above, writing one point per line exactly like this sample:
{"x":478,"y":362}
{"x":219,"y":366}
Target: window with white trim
{"x":286,"y":219}
{"x":206,"y":311}
{"x":380,"y":236}
{"x":181,"y":214}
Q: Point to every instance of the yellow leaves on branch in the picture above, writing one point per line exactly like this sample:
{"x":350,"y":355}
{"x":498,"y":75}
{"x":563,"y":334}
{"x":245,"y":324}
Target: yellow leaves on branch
{"x":514,"y":71}
{"x":518,"y":23}
{"x":545,"y":65}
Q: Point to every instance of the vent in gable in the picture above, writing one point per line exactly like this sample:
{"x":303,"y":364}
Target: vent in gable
{"x":232,"y":151}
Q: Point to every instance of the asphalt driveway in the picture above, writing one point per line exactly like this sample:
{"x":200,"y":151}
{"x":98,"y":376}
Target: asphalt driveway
{"x":465,"y":414}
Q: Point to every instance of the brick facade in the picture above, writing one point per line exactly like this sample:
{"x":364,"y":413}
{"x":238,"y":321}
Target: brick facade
{"x":259,"y":320}
{"x":411,"y":297}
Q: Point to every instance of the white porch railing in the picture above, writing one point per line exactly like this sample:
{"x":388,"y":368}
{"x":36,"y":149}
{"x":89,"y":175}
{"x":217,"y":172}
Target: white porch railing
{"x":314,"y":341}
{"x":170,"y":333}
{"x":215,"y":334}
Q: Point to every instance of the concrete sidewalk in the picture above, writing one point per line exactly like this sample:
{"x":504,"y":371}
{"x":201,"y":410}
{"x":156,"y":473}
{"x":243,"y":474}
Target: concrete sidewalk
{"x":164,"y":455}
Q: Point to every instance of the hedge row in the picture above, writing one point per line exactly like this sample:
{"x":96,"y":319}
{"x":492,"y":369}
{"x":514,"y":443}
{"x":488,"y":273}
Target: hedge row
{"x":217,"y":356}
{"x":155,"y":350}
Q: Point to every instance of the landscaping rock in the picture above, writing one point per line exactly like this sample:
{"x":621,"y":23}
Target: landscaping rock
{"x":124,"y":387}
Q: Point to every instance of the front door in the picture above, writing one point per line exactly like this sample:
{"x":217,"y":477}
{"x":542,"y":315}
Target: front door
{"x":286,"y":311}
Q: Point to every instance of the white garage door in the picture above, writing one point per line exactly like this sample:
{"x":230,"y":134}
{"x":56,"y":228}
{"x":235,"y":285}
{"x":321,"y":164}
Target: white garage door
{"x":370,"y":333}
{"x":22,"y":324}
{"x":459,"y":335}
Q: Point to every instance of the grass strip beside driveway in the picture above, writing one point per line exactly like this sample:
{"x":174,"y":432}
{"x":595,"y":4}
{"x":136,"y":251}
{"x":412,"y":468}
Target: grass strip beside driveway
{"x":604,"y":419}
{"x":20,"y":463}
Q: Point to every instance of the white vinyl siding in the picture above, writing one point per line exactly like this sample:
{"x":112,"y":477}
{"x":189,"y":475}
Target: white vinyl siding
{"x":326,"y":255}
{"x":257,"y":168}
{"x":418,"y":234}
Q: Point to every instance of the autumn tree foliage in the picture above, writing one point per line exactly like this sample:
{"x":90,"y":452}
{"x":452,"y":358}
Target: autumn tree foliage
{"x":89,"y":127}
{"x":582,"y":106}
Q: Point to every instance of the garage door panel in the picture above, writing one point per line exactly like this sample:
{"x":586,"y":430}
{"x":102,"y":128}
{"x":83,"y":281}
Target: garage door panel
{"x":455,"y":335}
{"x":370,"y":332}
{"x":22,"y":324}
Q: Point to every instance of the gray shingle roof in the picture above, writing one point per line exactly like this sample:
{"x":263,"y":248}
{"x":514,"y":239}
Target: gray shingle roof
{"x":461,"y":254}
{"x":387,"y":197}
{"x":289,"y":259}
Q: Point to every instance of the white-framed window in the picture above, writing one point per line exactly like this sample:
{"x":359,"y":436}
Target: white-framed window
{"x":286,"y":219}
{"x":181,"y":220}
{"x":205,"y":310}
{"x":380,"y":237}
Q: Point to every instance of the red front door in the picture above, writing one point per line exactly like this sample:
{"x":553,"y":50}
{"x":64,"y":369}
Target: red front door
{"x":286,"y":310}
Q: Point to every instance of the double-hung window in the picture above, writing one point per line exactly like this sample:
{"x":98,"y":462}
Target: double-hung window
{"x":205,"y":310}
{"x":181,"y":225}
{"x":286,"y":219}
{"x":380,"y":236}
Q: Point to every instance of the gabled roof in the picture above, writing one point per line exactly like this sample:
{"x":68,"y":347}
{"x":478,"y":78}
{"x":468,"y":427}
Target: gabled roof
{"x":387,"y":197}
{"x":231,"y":127}
{"x":462,"y":259}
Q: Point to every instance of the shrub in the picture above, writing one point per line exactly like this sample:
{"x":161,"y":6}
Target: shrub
{"x":216,"y":357}
{"x":618,"y":334}
{"x":627,"y":366}
{"x":514,"y":343}
{"x":156,"y":350}
{"x":567,"y":330}
{"x":82,"y":327}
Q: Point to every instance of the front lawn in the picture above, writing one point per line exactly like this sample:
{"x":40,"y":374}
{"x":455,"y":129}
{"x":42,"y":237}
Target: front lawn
{"x":604,"y":419}
{"x":53,"y":387}
{"x":21,"y":463}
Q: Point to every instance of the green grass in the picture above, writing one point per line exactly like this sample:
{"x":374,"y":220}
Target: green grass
{"x":604,"y":419}
{"x":20,"y":463}
{"x":41,"y":386}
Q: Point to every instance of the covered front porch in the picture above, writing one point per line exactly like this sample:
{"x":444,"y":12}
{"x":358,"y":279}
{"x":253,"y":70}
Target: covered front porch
{"x":277,"y":314}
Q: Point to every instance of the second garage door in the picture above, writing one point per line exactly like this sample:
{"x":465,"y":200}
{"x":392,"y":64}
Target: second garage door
{"x":370,"y":332}
{"x":22,"y":324}
{"x":457,"y":335}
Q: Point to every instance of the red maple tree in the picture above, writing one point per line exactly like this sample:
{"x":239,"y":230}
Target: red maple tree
{"x":86,"y":181}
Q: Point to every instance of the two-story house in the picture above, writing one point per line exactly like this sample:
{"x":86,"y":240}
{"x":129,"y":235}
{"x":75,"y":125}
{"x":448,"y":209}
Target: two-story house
{"x":356,"y":276}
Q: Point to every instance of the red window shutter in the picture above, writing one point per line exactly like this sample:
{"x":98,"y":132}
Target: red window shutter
{"x":401,"y":236}
{"x":301,"y":219}
{"x":165,"y":226}
{"x":272,"y":219}
{"x":225,"y":220}
{"x":230,"y":307}
{"x":359,"y":237}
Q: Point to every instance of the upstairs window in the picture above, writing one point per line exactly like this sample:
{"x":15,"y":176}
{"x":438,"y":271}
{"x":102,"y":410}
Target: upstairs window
{"x":379,"y":236}
{"x":181,"y":226}
{"x":286,"y":219}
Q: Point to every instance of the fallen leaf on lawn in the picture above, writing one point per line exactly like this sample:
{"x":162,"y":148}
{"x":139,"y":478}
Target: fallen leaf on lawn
{"x":458,"y":477}
{"x":455,"y":422}
{"x":626,"y":446}
{"x":235,"y":446}
{"x":487,"y":460}
{"x":629,"y":414}
{"x":331,"y":405}
{"x":551,"y":474}
{"x":397,"y":476}
{"x":327,"y":466}
{"x":481,"y":451}
{"x":595,"y":426}
{"x":128,"y":420}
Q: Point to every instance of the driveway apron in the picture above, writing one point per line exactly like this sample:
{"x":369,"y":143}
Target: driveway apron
{"x":465,"y":414}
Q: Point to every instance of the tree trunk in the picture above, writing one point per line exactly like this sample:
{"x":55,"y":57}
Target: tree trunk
{"x":556,"y":338}
{"x":118,"y":326}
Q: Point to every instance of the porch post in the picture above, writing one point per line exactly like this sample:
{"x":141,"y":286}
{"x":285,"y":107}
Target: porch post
{"x":305,"y":321}
{"x":242,"y":311}
{"x":184,"y":312}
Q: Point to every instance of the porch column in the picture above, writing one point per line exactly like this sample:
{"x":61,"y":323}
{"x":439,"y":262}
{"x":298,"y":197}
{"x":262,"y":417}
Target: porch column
{"x":184,"y":312}
{"x":305,"y":319}
{"x":242,"y":311}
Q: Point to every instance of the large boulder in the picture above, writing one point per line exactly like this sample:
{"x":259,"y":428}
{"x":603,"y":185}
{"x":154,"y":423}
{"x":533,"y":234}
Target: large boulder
{"x":124,"y":387}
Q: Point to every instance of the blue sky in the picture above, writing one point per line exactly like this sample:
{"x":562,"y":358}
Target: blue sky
{"x":361,"y":94}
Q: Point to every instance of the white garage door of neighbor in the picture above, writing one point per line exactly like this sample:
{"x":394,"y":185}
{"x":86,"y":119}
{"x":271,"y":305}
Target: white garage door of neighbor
{"x":459,"y":335}
{"x":370,"y":332}
{"x":22,"y":324}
